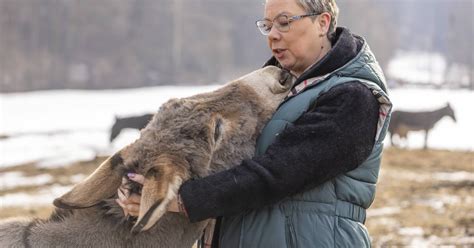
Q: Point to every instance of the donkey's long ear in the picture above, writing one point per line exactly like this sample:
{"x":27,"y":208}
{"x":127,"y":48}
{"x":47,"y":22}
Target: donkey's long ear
{"x":101,"y":184}
{"x":161,"y":185}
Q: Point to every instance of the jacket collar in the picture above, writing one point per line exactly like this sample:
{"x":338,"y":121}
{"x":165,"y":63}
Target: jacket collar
{"x":345,"y":47}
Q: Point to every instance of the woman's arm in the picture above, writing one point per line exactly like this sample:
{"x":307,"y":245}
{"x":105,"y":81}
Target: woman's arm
{"x":334,"y":138}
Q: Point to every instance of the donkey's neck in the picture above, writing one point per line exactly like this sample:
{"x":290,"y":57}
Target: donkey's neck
{"x":436,"y":115}
{"x":97,"y":227}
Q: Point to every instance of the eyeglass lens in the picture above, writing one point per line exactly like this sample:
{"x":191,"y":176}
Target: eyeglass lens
{"x":282,"y":23}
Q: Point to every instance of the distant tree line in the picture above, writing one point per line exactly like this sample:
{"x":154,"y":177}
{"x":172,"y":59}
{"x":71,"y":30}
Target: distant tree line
{"x":110,"y":44}
{"x":89,"y":44}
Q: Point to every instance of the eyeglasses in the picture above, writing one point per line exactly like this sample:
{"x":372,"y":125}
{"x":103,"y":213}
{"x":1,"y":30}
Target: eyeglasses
{"x":281,"y":22}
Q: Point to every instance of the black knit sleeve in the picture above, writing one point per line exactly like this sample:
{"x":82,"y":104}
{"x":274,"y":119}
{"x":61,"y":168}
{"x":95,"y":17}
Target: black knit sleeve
{"x":335,"y":137}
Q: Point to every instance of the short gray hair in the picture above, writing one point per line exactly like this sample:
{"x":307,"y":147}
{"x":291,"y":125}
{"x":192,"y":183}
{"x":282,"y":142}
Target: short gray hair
{"x":320,"y":6}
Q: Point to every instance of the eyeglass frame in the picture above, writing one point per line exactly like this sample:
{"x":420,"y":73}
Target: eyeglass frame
{"x":290,"y":20}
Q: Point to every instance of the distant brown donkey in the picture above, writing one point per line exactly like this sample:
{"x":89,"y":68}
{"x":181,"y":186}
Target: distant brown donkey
{"x":403,"y":122}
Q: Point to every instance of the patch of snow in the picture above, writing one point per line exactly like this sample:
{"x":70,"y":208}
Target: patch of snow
{"x":62,"y":126}
{"x":420,"y":242}
{"x":377,"y":212}
{"x":412,"y":176}
{"x":434,"y":203}
{"x":457,"y":176}
{"x":459,"y":241}
{"x":43,"y":197}
{"x":16,"y":179}
{"x":438,"y":203}
{"x":450,"y":199}
{"x":411,"y":231}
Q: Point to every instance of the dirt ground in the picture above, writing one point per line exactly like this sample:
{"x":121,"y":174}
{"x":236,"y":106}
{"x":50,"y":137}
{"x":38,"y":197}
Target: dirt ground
{"x":424,"y":198}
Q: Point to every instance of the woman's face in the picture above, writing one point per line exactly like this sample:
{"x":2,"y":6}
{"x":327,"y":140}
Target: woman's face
{"x":299,"y":47}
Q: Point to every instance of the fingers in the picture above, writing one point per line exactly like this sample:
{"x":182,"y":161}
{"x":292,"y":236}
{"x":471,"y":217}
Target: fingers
{"x":128,"y":207}
{"x":124,"y":187}
{"x":136,"y":178}
{"x":133,"y":209}
{"x":134,"y":198}
{"x":122,"y":194}
{"x":130,"y":203}
{"x":123,"y":206}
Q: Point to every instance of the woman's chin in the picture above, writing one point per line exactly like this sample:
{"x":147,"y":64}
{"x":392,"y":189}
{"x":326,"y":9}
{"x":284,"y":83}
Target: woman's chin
{"x":285,"y":65}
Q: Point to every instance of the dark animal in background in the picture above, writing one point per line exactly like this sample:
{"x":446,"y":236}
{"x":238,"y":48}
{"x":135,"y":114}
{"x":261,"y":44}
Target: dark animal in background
{"x":403,"y":122}
{"x":135,"y":122}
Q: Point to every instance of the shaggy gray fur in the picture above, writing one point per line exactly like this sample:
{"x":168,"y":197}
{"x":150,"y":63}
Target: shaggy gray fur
{"x":206,"y":133}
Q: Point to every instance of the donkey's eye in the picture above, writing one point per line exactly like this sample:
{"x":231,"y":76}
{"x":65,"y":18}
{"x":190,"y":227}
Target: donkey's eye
{"x":218,"y":129}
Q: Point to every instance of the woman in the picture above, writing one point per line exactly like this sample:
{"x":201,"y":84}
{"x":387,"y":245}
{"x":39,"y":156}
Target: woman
{"x":317,"y":160}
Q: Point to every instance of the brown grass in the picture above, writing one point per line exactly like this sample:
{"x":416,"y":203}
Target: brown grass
{"x":443,"y":209}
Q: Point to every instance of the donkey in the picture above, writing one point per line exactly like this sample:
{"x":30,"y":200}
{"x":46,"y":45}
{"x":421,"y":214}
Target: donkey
{"x":402,"y":122}
{"x":134,"y":122}
{"x":188,"y":138}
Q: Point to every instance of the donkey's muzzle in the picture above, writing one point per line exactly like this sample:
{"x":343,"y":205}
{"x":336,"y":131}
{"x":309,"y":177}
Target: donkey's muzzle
{"x":286,"y":78}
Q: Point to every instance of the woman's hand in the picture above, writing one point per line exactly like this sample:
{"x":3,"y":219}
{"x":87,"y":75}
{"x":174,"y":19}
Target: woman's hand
{"x":130,"y":203}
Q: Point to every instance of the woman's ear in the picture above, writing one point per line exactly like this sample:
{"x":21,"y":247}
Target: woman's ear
{"x":324,"y":21}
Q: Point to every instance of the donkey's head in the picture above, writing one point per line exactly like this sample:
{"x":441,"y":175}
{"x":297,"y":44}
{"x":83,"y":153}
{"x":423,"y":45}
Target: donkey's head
{"x":449,"y":111}
{"x":116,"y":129}
{"x":188,"y":137}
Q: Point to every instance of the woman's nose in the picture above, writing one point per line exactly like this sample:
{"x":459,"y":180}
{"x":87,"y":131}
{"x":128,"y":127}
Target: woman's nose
{"x":274,"y":34}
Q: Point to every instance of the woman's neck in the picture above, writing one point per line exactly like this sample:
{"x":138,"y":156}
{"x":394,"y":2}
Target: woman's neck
{"x":325,"y":49}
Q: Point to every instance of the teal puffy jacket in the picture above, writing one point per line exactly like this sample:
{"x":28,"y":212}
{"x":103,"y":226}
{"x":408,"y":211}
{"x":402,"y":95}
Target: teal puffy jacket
{"x":332,"y":214}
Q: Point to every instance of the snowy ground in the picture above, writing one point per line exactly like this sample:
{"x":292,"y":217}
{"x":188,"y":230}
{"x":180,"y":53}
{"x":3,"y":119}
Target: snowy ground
{"x":424,"y":198}
{"x":55,"y":128}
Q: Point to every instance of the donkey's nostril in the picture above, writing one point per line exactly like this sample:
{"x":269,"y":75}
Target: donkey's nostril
{"x":285,"y":77}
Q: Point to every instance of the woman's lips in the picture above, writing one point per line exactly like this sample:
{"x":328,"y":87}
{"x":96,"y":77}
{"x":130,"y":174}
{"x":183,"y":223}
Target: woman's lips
{"x":278,"y":53}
